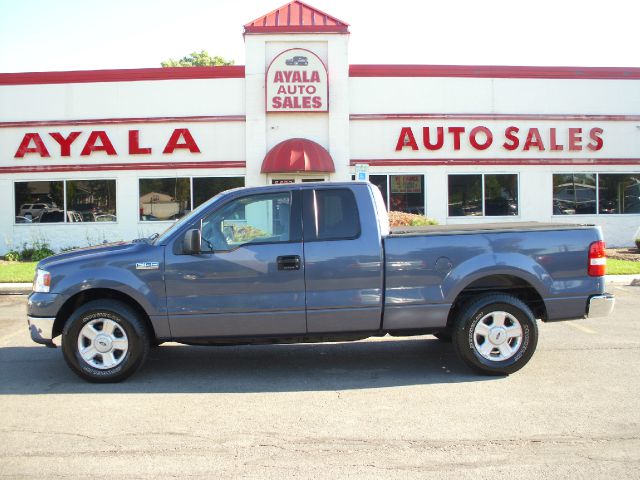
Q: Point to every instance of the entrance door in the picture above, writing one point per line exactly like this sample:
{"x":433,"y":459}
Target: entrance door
{"x":248,"y":279}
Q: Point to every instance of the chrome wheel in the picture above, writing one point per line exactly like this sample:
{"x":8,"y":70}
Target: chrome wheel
{"x":103,"y":343}
{"x":497,"y":336}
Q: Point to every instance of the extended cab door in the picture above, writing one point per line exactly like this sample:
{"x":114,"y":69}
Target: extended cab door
{"x":248,"y":279}
{"x":343,"y":259}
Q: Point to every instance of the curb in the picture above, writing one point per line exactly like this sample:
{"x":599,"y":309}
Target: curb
{"x":15,"y":288}
{"x":632,"y":280}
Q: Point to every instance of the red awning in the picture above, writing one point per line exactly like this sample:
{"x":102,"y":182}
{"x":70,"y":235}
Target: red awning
{"x":297,"y":155}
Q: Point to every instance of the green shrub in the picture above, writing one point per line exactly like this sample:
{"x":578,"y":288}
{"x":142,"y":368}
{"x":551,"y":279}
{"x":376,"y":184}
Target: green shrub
{"x":13,"y":256}
{"x":35,"y":252}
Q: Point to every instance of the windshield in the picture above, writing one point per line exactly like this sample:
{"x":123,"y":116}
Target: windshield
{"x":186,"y":219}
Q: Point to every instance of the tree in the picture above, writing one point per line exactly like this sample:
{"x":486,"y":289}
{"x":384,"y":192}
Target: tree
{"x":195,"y":59}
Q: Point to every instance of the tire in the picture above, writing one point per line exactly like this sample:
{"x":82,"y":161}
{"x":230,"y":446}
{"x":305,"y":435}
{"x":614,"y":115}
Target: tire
{"x":495,"y":334}
{"x":105,"y":341}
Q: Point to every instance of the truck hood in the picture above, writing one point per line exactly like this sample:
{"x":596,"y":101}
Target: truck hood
{"x":91,"y":251}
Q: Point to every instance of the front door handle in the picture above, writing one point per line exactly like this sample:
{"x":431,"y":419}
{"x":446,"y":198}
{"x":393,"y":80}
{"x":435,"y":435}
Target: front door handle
{"x":289,"y":262}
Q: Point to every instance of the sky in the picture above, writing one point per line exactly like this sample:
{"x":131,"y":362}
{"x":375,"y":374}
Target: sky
{"x":48,"y":35}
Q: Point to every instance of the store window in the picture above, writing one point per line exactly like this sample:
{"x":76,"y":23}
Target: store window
{"x":619,"y":193}
{"x":206,"y":187}
{"x":35,"y":200}
{"x":47,"y":202}
{"x":574,"y":194}
{"x":401,"y":193}
{"x":488,"y":195}
{"x":164,"y":198}
{"x":92,"y":200}
{"x":591,"y":193}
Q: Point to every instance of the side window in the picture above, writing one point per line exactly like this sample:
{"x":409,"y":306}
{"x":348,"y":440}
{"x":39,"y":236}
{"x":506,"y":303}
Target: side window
{"x":253,"y":219}
{"x":336,"y":215}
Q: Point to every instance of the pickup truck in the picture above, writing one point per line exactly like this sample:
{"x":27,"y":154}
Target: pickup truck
{"x":316,"y":262}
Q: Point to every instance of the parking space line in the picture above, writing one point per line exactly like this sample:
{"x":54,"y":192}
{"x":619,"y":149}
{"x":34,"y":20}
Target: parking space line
{"x":582,"y":328}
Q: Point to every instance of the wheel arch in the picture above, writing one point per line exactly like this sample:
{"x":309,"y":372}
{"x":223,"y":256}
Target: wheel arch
{"x":85,"y":296}
{"x":506,"y":283}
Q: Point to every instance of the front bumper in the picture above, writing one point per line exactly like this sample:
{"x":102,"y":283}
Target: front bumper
{"x":41,"y":329}
{"x":600,"y":305}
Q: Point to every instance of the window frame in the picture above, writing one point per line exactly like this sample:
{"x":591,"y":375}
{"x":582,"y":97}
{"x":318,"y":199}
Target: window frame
{"x":482,"y":198}
{"x":190,"y":177}
{"x":64,"y":201}
{"x":387,"y":198}
{"x":597,"y":212}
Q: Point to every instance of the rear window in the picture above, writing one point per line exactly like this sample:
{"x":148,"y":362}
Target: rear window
{"x":337,"y":215}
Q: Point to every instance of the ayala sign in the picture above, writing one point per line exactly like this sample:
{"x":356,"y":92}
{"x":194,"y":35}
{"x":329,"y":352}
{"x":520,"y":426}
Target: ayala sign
{"x":297,"y":82}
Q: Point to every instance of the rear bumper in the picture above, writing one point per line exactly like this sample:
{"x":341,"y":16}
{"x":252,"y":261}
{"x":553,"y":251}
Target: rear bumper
{"x":600,"y":305}
{"x":41,"y":329}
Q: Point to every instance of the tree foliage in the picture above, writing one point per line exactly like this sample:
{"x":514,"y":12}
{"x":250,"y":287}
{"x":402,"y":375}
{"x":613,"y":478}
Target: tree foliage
{"x":197,"y":59}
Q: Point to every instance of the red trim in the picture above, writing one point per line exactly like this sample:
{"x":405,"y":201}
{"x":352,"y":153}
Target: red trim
{"x":387,"y":162}
{"x":128,"y":75}
{"x":298,"y":29}
{"x":492,"y":116}
{"x":116,"y":121}
{"x":481,"y":71}
{"x":120,"y":166}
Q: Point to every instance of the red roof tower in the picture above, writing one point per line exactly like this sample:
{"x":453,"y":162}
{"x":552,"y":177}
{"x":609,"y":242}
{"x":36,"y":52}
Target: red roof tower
{"x":296,"y":17}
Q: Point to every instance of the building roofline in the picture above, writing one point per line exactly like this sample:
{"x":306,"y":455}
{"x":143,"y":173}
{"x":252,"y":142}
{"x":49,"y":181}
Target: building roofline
{"x":238,"y":71}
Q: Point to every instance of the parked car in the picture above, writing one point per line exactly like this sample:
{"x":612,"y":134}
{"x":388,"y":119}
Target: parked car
{"x":20,"y":219}
{"x":34,"y":210}
{"x":57,"y":216}
{"x":311,"y":263}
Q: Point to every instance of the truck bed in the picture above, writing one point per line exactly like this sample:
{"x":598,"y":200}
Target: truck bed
{"x":484,"y":228}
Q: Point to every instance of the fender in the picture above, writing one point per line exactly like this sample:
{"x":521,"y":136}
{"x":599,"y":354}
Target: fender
{"x":513,"y":264}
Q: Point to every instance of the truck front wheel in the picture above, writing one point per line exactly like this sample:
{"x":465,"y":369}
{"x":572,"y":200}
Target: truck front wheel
{"x":496,"y":334}
{"x":105,"y":341}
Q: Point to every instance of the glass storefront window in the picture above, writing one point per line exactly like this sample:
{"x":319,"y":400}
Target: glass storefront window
{"x":574,"y":194}
{"x":164,"y":198}
{"x":618,"y":193}
{"x":92,"y":200}
{"x":465,"y":195}
{"x":401,"y":193}
{"x":499,"y":197}
{"x":206,"y":187}
{"x":39,"y":202}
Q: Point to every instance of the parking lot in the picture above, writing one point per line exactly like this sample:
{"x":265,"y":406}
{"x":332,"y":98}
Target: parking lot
{"x":385,"y":408}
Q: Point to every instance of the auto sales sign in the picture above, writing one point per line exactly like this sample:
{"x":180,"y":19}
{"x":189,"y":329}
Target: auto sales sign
{"x":297,"y":82}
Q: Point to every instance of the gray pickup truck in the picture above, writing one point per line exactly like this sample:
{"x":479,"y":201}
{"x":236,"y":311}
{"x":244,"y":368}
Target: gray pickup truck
{"x":313,"y":263}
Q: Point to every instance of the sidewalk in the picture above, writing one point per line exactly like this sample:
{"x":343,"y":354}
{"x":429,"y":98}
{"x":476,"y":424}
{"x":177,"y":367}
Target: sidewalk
{"x":25,"y":288}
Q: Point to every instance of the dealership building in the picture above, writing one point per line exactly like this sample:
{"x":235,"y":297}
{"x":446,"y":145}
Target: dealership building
{"x":104,"y":155}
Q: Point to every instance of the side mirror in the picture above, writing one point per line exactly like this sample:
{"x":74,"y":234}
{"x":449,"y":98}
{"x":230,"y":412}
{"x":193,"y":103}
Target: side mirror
{"x":191,"y":242}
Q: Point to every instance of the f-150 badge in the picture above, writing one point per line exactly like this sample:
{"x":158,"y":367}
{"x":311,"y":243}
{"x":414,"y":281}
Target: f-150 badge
{"x":147,"y":265}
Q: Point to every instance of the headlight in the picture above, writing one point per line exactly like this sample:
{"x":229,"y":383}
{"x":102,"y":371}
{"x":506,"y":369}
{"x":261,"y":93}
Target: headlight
{"x":42,"y":281}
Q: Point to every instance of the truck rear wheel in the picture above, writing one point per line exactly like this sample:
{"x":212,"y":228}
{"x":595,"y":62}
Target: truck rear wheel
{"x":496,"y":334}
{"x":105,"y":341}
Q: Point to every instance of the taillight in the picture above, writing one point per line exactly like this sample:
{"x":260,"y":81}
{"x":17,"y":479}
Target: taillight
{"x":597,"y":259}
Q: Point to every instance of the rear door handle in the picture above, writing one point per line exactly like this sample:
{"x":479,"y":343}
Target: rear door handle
{"x":289,"y":262}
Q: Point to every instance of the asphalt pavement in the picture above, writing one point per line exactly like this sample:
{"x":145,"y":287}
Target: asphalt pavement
{"x":384,"y":408}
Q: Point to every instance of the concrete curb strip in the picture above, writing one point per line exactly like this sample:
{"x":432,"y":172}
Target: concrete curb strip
{"x":25,"y":288}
